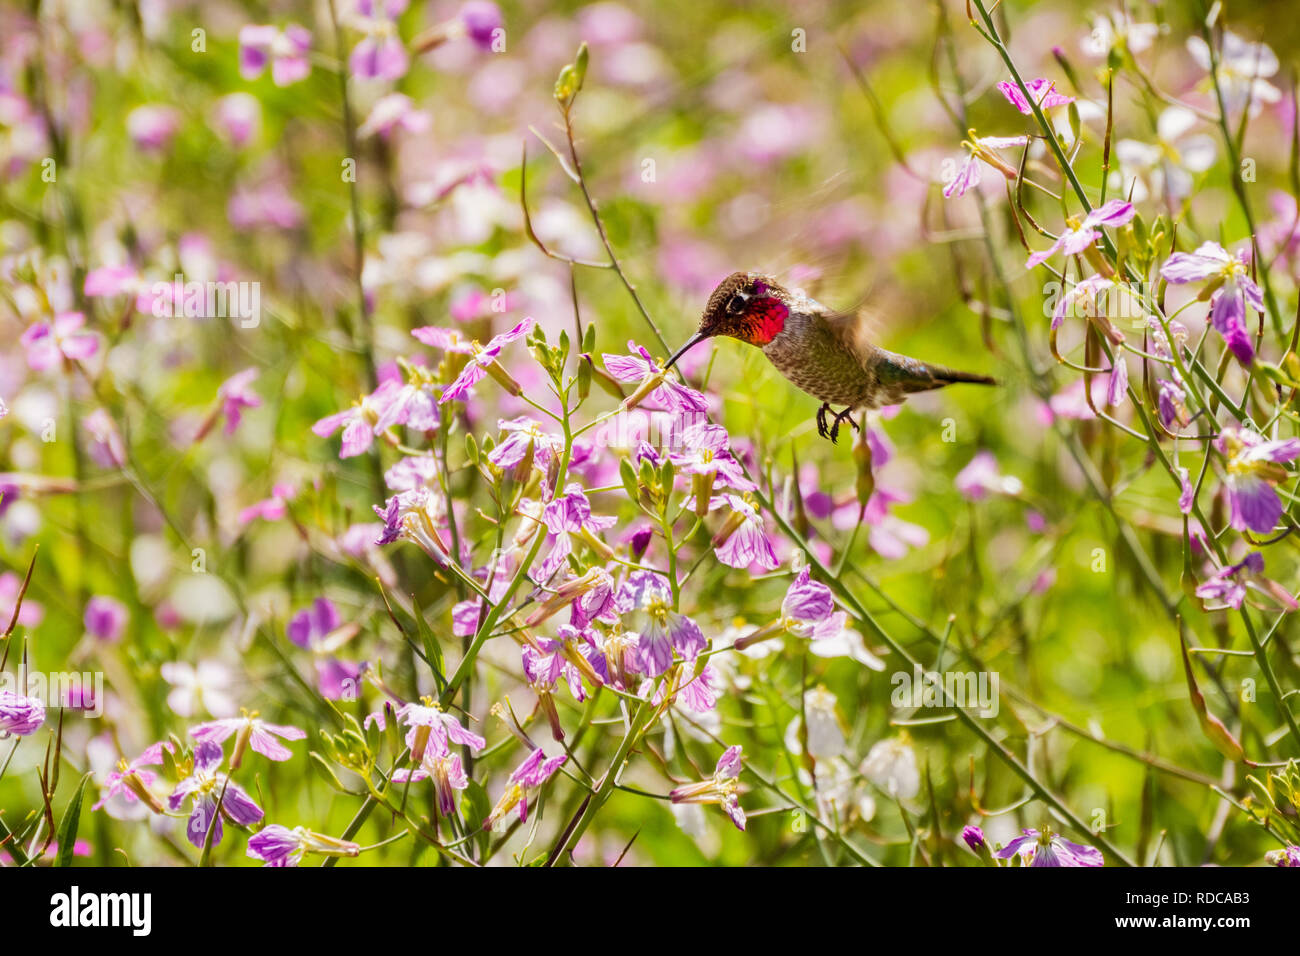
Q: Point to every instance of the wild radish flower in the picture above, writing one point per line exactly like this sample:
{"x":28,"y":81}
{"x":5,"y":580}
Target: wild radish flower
{"x":1286,"y":857}
{"x":1115,"y":30}
{"x":1229,"y":585}
{"x":360,"y":423}
{"x":708,"y":460}
{"x":132,"y":782}
{"x":394,"y":111}
{"x":982,"y":149}
{"x":891,"y":766}
{"x":105,"y":618}
{"x":526,"y":779}
{"x":483,"y":361}
{"x":722,"y":788}
{"x":1094,"y":298}
{"x":236,"y":394}
{"x":381,"y":53}
{"x":614,"y":657}
{"x":1230,"y":290}
{"x":550,"y":660}
{"x":982,"y":478}
{"x":1049,"y":849}
{"x":204,"y":688}
{"x":567,"y":515}
{"x":666,"y":392}
{"x":480,"y":20}
{"x":973,"y":837}
{"x":287,"y":51}
{"x":649,"y":598}
{"x":444,"y":768}
{"x":20,"y":716}
{"x":419,"y":516}
{"x":1254,"y":466}
{"x":742,"y":541}
{"x":49,"y":344}
{"x":1167,"y":165}
{"x":825,"y":736}
{"x":151,"y":127}
{"x":277,"y":845}
{"x":700,"y":692}
{"x":1080,"y":235}
{"x":205,"y":787}
{"x":238,"y":118}
{"x":525,"y":444}
{"x":427,"y":721}
{"x":249,"y":730}
{"x":1243,"y":67}
{"x":590,"y":596}
{"x":1041,"y":91}
{"x":270,"y":509}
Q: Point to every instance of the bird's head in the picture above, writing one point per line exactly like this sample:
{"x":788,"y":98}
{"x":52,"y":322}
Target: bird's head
{"x":748,"y":306}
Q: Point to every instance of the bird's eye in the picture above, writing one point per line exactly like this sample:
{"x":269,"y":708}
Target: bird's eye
{"x":736,"y":304}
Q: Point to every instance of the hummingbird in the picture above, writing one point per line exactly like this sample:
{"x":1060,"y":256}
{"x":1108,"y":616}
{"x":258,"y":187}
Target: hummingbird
{"x":825,"y":353}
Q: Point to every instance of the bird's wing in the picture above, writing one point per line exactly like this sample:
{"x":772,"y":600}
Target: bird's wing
{"x":852,"y":329}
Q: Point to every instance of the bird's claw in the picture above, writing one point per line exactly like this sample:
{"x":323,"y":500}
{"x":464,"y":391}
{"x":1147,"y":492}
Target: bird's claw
{"x":821,"y":420}
{"x":844,"y":416}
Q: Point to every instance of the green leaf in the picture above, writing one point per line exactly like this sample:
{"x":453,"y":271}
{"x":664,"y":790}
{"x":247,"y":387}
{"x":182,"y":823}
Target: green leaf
{"x":68,"y":825}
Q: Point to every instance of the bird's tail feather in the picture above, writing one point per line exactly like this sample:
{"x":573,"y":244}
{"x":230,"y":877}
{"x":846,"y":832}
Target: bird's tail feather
{"x":916,"y":376}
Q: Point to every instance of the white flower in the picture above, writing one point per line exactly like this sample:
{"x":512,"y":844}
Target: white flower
{"x":1168,"y":164}
{"x":204,"y":688}
{"x":825,"y":738}
{"x":891,"y":766}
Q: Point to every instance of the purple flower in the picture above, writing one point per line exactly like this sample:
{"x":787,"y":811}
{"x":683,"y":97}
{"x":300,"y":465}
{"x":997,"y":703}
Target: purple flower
{"x":132,"y":782}
{"x":391,"y":112}
{"x":20,"y":715}
{"x":152,"y":127}
{"x":287,"y":50}
{"x":428,"y":722}
{"x":277,"y":845}
{"x":1235,"y":291}
{"x":722,"y":788}
{"x":536,"y":769}
{"x":105,"y":618}
{"x":662,"y":629}
{"x":1042,"y":91}
{"x":251,"y":731}
{"x":708,"y":456}
{"x":564,"y":516}
{"x":1049,"y":849}
{"x":481,"y":20}
{"x":420,"y":516}
{"x":1081,"y":235}
{"x":741,"y":541}
{"x":444,"y":768}
{"x":981,"y":478}
{"x":483,"y":361}
{"x":205,"y":788}
{"x":381,"y":54}
{"x":1254,"y":466}
{"x":981,"y":149}
{"x":360,"y":423}
{"x":1228,"y":585}
{"x":525,"y":444}
{"x":235,"y":394}
{"x":50,"y":343}
{"x":1286,"y":857}
{"x":974,"y":838}
{"x":641,"y":367}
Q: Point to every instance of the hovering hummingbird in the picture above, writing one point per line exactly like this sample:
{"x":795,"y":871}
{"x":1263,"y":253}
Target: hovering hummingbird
{"x":825,"y":353}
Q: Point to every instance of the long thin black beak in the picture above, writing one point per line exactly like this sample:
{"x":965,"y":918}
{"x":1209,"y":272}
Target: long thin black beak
{"x":693,"y":341}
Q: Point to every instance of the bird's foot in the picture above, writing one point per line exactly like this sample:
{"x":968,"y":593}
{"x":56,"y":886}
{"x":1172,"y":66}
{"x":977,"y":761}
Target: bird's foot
{"x":821,"y":419}
{"x":844,"y":416}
